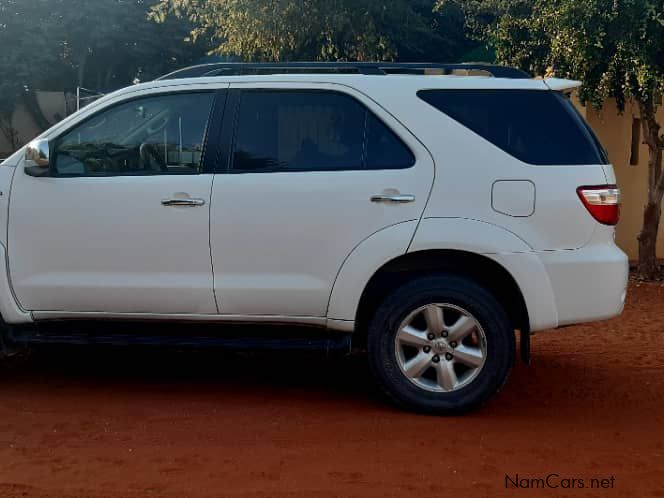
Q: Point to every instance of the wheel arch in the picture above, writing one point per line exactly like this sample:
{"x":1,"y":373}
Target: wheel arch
{"x":449,"y":244}
{"x":480,"y":268}
{"x":10,"y":310}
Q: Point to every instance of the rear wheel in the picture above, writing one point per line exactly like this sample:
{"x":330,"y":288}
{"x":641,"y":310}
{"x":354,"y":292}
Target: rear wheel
{"x":441,"y":344}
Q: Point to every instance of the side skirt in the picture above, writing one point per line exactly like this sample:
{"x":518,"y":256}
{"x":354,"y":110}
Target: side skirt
{"x":232,"y":337}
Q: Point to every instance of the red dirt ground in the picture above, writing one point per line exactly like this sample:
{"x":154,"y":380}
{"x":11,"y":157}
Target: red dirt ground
{"x":127,"y":423}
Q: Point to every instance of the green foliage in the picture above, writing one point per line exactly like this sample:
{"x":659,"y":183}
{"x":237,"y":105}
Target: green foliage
{"x":60,"y":44}
{"x":100,"y":44}
{"x":481,"y":16}
{"x":20,"y":54}
{"x":616,"y":47}
{"x":124,"y":46}
{"x":323,"y":29}
{"x":20,"y":58}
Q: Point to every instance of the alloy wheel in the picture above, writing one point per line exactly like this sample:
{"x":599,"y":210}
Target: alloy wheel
{"x":440,"y":347}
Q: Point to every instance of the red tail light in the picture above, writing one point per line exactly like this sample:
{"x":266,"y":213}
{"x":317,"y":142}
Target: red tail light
{"x":602,"y":202}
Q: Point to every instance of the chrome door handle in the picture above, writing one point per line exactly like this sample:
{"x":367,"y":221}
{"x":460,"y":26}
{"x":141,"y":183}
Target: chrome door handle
{"x":393,"y":198}
{"x":183,"y":202}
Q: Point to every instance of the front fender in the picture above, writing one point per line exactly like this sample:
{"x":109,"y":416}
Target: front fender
{"x":15,"y":158}
{"x":10,"y":310}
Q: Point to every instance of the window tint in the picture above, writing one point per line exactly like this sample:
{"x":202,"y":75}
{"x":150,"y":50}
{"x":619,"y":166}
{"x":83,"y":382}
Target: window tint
{"x":155,"y":135}
{"x":537,"y":127}
{"x":312,"y":131}
{"x":384,"y":149}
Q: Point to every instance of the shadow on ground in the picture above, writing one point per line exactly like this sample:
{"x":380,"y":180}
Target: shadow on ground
{"x":554,"y":378}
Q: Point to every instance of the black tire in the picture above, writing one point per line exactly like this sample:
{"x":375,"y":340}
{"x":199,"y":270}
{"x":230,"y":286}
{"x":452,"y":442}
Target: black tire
{"x":455,"y":290}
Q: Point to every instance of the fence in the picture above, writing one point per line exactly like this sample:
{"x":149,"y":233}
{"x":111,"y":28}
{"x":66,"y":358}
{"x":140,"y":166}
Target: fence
{"x":83,"y":97}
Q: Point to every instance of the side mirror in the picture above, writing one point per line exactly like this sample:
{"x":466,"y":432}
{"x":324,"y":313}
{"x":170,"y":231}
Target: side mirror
{"x":37,"y":155}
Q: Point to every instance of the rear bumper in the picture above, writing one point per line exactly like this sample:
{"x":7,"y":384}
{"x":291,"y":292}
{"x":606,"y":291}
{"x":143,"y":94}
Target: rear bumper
{"x":565,"y":287}
{"x":588,"y":284}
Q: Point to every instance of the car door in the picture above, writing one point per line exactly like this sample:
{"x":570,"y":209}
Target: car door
{"x":310,"y":172}
{"x":121,"y":223}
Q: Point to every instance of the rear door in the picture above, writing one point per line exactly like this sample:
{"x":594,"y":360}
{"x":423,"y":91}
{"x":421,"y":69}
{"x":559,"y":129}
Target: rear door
{"x":309,"y":172}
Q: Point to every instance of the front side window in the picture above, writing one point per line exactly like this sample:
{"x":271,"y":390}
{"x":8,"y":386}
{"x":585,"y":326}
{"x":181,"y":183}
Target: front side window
{"x":153,"y":135}
{"x":535,"y":126}
{"x":280,"y":131}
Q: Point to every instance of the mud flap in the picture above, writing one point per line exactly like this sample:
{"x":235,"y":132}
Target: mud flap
{"x":524,"y":343}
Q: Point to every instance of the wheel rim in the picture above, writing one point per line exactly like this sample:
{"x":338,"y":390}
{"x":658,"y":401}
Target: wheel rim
{"x":440,"y":347}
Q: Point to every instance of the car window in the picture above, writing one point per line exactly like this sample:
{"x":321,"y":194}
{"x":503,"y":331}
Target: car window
{"x":149,"y":136}
{"x":384,"y":150}
{"x":537,"y":127}
{"x":281,"y":131}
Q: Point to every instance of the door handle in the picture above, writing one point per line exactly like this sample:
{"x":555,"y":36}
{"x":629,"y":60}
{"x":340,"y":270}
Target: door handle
{"x":183,"y":202}
{"x":393,"y":198}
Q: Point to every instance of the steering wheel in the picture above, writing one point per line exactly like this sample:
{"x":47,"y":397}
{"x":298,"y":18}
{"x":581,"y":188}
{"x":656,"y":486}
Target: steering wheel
{"x":151,"y":153}
{"x":160,"y":124}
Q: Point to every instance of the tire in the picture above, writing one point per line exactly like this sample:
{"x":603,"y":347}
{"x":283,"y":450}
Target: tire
{"x":480,"y":363}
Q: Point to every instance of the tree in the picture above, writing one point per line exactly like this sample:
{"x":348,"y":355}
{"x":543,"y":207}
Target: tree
{"x":282,"y":30}
{"x":22,"y":59}
{"x":126,"y":45}
{"x":62,"y":44}
{"x":481,"y":16}
{"x":616,"y":47}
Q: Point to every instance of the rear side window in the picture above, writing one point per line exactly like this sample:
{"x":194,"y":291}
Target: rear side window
{"x":537,"y":127}
{"x":384,"y":150}
{"x":299,"y":130}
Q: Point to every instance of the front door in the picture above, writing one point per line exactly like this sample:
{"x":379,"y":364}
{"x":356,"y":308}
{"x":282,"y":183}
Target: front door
{"x":121,"y":225}
{"x":312,"y":172}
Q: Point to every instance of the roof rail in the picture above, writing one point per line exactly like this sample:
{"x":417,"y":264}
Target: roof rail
{"x":374,"y":68}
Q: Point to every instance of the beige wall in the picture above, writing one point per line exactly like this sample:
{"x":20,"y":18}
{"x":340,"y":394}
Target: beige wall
{"x":53,"y":107}
{"x":615,"y":132}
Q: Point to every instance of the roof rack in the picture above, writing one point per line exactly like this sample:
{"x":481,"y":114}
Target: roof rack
{"x":371,"y":68}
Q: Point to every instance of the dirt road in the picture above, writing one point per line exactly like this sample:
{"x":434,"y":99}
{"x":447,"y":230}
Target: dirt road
{"x":118,"y":423}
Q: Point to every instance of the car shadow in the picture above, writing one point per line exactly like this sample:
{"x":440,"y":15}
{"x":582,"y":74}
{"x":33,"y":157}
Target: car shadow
{"x":203,"y":371}
{"x":554,"y":380}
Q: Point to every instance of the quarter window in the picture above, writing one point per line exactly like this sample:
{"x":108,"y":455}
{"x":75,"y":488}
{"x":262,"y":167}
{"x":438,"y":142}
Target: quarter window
{"x":535,"y":126}
{"x":280,"y":131}
{"x":149,"y":136}
{"x":384,"y":149}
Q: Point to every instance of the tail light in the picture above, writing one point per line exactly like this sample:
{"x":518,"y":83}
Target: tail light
{"x":602,"y":202}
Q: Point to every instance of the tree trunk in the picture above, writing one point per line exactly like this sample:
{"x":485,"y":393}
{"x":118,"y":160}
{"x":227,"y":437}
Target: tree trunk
{"x":107,"y":81}
{"x":34,"y":109}
{"x":9,"y":132}
{"x":647,"y":265}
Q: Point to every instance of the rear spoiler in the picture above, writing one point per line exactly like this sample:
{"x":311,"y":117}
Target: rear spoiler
{"x":561,"y":85}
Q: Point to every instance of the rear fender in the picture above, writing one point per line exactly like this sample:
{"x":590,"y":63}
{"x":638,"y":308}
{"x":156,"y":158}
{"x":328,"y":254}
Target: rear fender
{"x":358,"y":268}
{"x":506,"y":249}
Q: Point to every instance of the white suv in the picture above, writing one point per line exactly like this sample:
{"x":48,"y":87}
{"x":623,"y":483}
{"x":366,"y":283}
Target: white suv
{"x":431,"y":216}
